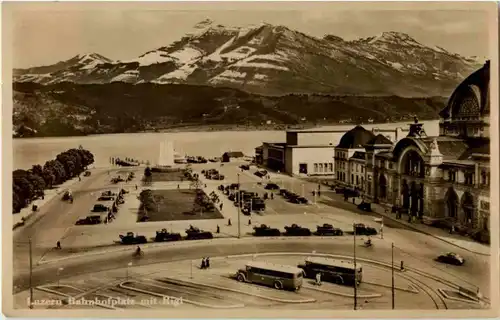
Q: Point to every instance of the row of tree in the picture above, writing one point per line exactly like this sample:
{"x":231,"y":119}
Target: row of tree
{"x":29,"y":185}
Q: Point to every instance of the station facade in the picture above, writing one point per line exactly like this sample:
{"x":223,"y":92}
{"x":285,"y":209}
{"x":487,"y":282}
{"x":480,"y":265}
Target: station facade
{"x":444,"y":177}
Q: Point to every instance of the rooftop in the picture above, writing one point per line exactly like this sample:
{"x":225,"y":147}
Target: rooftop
{"x":273,"y":266}
{"x":355,"y":138}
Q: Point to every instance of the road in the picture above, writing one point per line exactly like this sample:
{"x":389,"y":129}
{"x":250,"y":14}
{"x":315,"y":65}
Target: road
{"x":56,"y":217}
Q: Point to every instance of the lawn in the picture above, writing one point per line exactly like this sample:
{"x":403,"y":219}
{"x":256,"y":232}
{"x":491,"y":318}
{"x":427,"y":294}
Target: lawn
{"x":172,"y":205}
{"x":169,"y":176}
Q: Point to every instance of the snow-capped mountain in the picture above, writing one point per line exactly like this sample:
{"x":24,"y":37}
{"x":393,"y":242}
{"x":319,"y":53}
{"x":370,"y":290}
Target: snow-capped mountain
{"x":275,"y":60}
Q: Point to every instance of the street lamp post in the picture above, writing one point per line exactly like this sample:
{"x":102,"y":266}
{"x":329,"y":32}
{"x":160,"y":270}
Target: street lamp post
{"x":126,"y":272}
{"x":31,"y":274}
{"x":58,"y":273}
{"x":355,"y":272}
{"x":392,"y":274}
{"x":239,"y":209}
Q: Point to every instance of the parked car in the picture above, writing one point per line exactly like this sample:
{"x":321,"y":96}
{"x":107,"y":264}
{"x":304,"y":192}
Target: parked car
{"x":266,"y":231}
{"x":363,"y":230}
{"x":94,"y":219}
{"x":245,"y":167}
{"x":87,"y":173}
{"x":100,"y":208}
{"x":451,"y":258}
{"x":365,"y":206}
{"x":328,"y":230}
{"x":272,"y":186}
{"x":164,"y":235}
{"x":130,"y":238}
{"x":296,"y":230}
{"x":105,"y":198}
{"x":194,"y":233}
{"x":107,"y":193}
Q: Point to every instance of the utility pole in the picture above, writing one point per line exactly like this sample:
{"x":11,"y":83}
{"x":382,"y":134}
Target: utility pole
{"x":239,"y":205}
{"x":355,"y":273}
{"x":31,"y":275}
{"x":392,"y":273}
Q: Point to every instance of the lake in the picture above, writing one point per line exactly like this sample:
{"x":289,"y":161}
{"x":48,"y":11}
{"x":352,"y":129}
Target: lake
{"x":145,"y":146}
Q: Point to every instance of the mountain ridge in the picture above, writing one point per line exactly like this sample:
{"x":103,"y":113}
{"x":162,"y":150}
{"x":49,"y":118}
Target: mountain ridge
{"x":275,"y":60}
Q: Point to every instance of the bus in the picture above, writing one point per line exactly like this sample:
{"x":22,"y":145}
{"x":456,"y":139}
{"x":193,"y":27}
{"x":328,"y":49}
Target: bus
{"x":280,"y":277}
{"x":336,"y":271}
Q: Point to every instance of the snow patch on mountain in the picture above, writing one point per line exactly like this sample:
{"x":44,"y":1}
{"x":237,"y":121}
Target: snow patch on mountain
{"x":129,"y":75}
{"x":259,"y":76}
{"x":396,"y":65}
{"x":260,"y":65}
{"x":216,"y":55}
{"x":180,"y":74}
{"x":186,"y":55}
{"x":228,"y":75}
{"x":240,"y":53}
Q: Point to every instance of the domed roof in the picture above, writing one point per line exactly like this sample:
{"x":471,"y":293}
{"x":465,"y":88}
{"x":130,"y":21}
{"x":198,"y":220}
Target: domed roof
{"x":471,"y":97}
{"x":355,"y":138}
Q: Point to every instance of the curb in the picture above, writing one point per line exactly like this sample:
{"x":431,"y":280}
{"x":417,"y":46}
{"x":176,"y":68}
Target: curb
{"x":200,"y":304}
{"x":361,"y":296}
{"x":444,"y":294}
{"x":431,"y":235}
{"x":246,"y":293}
{"x":413,"y":290}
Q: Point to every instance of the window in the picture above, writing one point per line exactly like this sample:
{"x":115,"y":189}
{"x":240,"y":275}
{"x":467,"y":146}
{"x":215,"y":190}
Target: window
{"x":315,"y":167}
{"x":326,"y":167}
{"x":484,"y":178}
{"x":303,"y":168}
{"x":330,"y":167}
{"x":352,"y":178}
{"x":362,"y":169}
{"x":320,"y":167}
{"x":357,"y":180}
{"x":469,"y":178}
{"x":452,"y":176}
{"x":390,"y":165}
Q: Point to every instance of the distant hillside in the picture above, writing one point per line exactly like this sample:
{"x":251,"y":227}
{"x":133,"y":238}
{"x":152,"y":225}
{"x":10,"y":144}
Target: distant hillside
{"x":79,"y":109}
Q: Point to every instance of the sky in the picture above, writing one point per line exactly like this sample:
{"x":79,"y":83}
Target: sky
{"x":58,"y":31}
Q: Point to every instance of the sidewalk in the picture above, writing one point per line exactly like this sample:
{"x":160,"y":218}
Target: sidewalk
{"x":456,"y":240}
{"x":18,"y":219}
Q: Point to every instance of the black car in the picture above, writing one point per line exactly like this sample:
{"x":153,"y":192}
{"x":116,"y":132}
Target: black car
{"x":100,"y":208}
{"x":129,"y":238}
{"x":451,"y":258}
{"x":245,"y":167}
{"x":89,"y":220}
{"x":363,"y":230}
{"x":296,"y":230}
{"x":164,"y":235}
{"x":266,"y":231}
{"x":272,"y":186}
{"x":328,"y":230}
{"x":365,"y":206}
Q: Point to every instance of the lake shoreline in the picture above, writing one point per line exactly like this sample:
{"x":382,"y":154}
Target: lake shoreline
{"x":222,"y":128}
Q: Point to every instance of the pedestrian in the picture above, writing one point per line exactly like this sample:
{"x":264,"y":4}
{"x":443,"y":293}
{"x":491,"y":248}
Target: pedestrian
{"x":353,"y":200}
{"x":203,"y":263}
{"x":218,"y":229}
{"x":207,"y":262}
{"x":272,"y":196}
{"x":319,"y":193}
{"x":220,"y":206}
{"x":249,"y":222}
{"x":314,"y":193}
{"x":58,"y":245}
{"x":319,"y":186}
{"x":318,"y":279}
{"x":228,"y":222}
{"x":402,"y":265}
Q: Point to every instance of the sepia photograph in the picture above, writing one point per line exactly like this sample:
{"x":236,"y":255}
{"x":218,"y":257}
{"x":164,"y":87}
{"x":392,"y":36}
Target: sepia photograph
{"x":257,"y":159}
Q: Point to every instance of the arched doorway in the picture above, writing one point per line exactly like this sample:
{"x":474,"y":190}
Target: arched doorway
{"x":405,"y":194}
{"x":467,"y":205}
{"x":414,"y":197}
{"x":451,"y":203}
{"x":421,"y":201}
{"x":382,"y":183}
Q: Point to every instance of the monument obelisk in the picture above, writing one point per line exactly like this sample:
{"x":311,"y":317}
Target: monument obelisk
{"x":166,"y":158}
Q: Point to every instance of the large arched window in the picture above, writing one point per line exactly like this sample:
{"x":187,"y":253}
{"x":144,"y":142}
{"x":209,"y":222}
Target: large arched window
{"x":382,"y":183}
{"x":467,"y":205}
{"x":413,"y":164}
{"x":451,"y":203}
